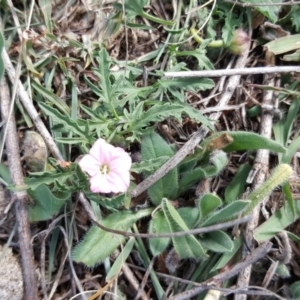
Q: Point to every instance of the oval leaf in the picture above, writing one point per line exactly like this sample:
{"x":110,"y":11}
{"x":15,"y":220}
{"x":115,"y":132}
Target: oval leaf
{"x":99,"y":244}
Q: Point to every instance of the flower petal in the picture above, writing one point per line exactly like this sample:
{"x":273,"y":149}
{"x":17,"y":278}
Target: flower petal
{"x":100,"y":184}
{"x":102,"y":151}
{"x":89,"y":165}
{"x":123,"y":162}
{"x":119,"y":182}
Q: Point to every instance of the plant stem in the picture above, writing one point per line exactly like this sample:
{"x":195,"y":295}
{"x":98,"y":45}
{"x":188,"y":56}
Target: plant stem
{"x":213,"y":44}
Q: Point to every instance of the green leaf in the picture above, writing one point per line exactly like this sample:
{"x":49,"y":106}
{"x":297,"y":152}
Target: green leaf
{"x":117,"y":266}
{"x":191,"y":178}
{"x":158,"y":225}
{"x":103,"y":72}
{"x":217,"y":241}
{"x":203,"y":63}
{"x":64,"y":119}
{"x":135,"y":8}
{"x":138,"y":119}
{"x":231,"y":23}
{"x":207,"y":204}
{"x":98,"y":244}
{"x":277,"y":222}
{"x":218,"y":162}
{"x":229,"y":212}
{"x":271,"y":12}
{"x":279,"y":176}
{"x":246,"y":141}
{"x":190,"y":216}
{"x":227,"y":256}
{"x":237,"y":185}
{"x":46,"y":204}
{"x":284,"y":44}
{"x":295,"y":289}
{"x":154,"y":146}
{"x":46,"y":8}
{"x":150,"y":165}
{"x":186,"y":246}
{"x":165,"y":85}
{"x":4,"y":173}
{"x":295,"y":11}
{"x":55,"y":100}
{"x":51,"y":177}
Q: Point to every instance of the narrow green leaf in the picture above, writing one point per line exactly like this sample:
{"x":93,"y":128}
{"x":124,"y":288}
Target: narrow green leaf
{"x":289,"y":196}
{"x":277,"y":222}
{"x":158,"y":225}
{"x":284,"y":44}
{"x":291,"y":150}
{"x":104,"y":73}
{"x":186,"y":246}
{"x":237,"y":186}
{"x":279,"y":176}
{"x":60,"y":104}
{"x":229,"y":212}
{"x":46,"y":8}
{"x":117,"y":266}
{"x":246,"y":141}
{"x":64,"y":119}
{"x":99,"y":244}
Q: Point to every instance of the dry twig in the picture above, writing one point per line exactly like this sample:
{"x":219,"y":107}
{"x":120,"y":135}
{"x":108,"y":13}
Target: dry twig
{"x":20,"y":198}
{"x":232,"y":72}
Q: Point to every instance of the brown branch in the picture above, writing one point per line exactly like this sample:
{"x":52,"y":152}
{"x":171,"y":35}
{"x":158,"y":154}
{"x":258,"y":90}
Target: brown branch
{"x":20,"y":198}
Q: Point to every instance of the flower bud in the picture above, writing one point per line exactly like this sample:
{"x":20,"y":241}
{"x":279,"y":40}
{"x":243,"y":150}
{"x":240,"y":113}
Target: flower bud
{"x":239,"y":43}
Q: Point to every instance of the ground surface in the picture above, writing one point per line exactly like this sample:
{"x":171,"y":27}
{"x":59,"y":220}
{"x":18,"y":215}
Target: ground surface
{"x":98,"y":69}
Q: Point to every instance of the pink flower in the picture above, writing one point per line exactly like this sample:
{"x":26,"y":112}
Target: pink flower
{"x":108,"y":167}
{"x":240,"y":42}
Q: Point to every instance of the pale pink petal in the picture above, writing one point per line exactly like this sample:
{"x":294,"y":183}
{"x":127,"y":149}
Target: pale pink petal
{"x":89,"y":165}
{"x":119,"y":183}
{"x":102,"y":151}
{"x":122,"y":162}
{"x":100,"y":184}
{"x":118,"y":161}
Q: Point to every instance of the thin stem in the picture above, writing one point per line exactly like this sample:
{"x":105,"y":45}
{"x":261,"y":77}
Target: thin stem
{"x":213,"y":44}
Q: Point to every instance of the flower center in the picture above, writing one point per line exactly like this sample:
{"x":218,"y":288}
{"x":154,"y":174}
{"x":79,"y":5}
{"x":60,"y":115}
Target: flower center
{"x":104,"y":169}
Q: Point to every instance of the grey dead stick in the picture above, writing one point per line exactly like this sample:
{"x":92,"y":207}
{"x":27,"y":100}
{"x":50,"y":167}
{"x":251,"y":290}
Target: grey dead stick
{"x":251,"y":258}
{"x":20,"y":198}
{"x":231,"y":72}
{"x":261,"y":165}
{"x":189,"y":146}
